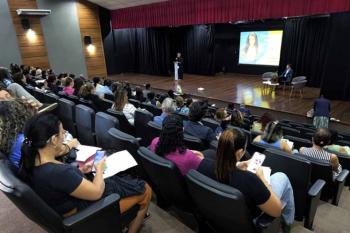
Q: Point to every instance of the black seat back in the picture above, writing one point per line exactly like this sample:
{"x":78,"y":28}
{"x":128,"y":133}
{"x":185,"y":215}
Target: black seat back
{"x":73,"y":98}
{"x":344,"y":160}
{"x":257,"y":147}
{"x":66,"y":113}
{"x":109,"y":97}
{"x":291,"y":131}
{"x":30,"y":204}
{"x":221,"y":205}
{"x":322,"y":170}
{"x":85,"y":121}
{"x":184,"y":117}
{"x":299,"y":142}
{"x":134,"y":102}
{"x":298,"y":171}
{"x":124,"y":124}
{"x":152,"y":109}
{"x":153,"y":130}
{"x":142,"y":117}
{"x":211,"y":123}
{"x":246,"y":132}
{"x":104,"y":122}
{"x":343,"y":143}
{"x":167,"y":178}
{"x":306,"y":130}
{"x":51,"y":98}
{"x":193,"y":143}
{"x":104,"y":105}
{"x":123,"y":141}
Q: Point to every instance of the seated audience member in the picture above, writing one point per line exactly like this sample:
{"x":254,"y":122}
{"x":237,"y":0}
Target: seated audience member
{"x":71,"y":191}
{"x":139,"y":95}
{"x":221,"y":117}
{"x":237,"y":120}
{"x":78,"y":83}
{"x":52,"y":84}
{"x":259,"y":125}
{"x":180,"y":106}
{"x":273,"y":199}
{"x":121,"y":104}
{"x":151,"y":100}
{"x":146,"y":90}
{"x":101,"y":90}
{"x":108,"y":86}
{"x":273,"y":136}
{"x":87,"y":92}
{"x":171,"y":94}
{"x":16,"y":90}
{"x":68,"y":86}
{"x":38,"y":74}
{"x":13,"y":115}
{"x":20,"y":79}
{"x":29,"y":79}
{"x":170,"y":145}
{"x":333,"y":147}
{"x":322,"y":138}
{"x":168,"y":108}
{"x":195,"y":127}
{"x":245,"y":111}
{"x":189,"y":102}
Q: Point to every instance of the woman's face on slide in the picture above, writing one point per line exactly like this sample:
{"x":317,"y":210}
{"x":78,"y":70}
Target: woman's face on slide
{"x":251,"y":40}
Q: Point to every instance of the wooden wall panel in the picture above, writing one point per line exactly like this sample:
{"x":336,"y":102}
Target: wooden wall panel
{"x":90,"y":26}
{"x":33,"y":52}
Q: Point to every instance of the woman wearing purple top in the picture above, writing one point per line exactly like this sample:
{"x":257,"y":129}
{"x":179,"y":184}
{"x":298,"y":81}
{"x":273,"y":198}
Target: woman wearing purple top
{"x":170,"y":145}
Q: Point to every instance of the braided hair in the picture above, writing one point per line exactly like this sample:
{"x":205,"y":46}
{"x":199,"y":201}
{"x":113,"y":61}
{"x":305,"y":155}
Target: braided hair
{"x":171,"y":137}
{"x":273,"y":132}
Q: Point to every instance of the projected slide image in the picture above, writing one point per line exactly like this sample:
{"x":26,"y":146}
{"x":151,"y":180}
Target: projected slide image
{"x":260,"y":48}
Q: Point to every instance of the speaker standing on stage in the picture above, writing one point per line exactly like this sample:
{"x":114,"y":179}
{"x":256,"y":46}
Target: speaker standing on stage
{"x":180,"y":61}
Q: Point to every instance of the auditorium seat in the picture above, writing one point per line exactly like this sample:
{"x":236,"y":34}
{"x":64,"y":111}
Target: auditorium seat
{"x":124,"y":124}
{"x":73,"y":98}
{"x":134,"y":102}
{"x":105,"y":105}
{"x":298,"y":83}
{"x":267,"y":76}
{"x":224,"y":208}
{"x":184,"y":117}
{"x":102,"y":216}
{"x":123,"y":141}
{"x":153,"y":130}
{"x":290,"y":131}
{"x":343,"y":143}
{"x":85,"y":121}
{"x":142,"y":117}
{"x":104,"y":122}
{"x":211,"y":123}
{"x":299,"y":142}
{"x":51,"y":98}
{"x":344,"y":160}
{"x":167,"y":179}
{"x":323,"y":170}
{"x":109,"y":97}
{"x":66,"y":113}
{"x":306,"y":193}
{"x":194,"y":143}
{"x":247,"y":133}
{"x":152,"y":109}
{"x":258,"y":147}
{"x":304,"y":130}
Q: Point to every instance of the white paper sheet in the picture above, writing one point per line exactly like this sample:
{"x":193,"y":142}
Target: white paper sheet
{"x":85,"y":152}
{"x":118,"y":162}
{"x":267,"y":173}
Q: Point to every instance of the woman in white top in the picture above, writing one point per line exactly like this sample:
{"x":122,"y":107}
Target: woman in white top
{"x":121,"y":104}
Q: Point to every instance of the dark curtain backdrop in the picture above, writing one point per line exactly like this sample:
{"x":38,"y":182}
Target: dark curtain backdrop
{"x":304,"y":46}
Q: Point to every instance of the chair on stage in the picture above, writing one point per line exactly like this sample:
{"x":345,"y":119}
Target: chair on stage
{"x":268,"y":76}
{"x":298,"y":83}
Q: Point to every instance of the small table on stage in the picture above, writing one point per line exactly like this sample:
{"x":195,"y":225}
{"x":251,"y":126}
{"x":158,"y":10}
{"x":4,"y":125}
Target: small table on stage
{"x":269,"y":86}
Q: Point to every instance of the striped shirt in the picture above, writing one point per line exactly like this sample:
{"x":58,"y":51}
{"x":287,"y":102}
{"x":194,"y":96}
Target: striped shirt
{"x":321,"y":155}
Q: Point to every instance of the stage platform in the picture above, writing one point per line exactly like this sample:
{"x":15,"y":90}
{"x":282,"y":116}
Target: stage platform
{"x":240,"y":88}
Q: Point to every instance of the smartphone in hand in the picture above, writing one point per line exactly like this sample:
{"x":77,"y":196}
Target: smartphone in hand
{"x":256,"y":162}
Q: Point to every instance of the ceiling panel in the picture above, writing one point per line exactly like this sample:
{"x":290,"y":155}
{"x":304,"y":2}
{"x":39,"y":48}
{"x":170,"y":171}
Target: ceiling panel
{"x":118,"y":4}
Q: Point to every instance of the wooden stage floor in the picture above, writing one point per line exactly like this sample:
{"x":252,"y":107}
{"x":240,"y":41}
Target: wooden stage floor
{"x":240,"y":88}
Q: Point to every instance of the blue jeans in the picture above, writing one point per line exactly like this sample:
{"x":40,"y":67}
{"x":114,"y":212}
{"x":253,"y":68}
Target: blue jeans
{"x":281,"y":186}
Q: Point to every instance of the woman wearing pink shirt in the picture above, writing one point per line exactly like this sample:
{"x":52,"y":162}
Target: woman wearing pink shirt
{"x":68,"y":86}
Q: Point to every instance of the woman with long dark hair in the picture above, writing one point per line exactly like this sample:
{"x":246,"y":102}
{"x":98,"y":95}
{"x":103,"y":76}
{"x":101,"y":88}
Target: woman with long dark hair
{"x":269,"y":198}
{"x":64,"y":187}
{"x":170,"y":144}
{"x":121,"y":103}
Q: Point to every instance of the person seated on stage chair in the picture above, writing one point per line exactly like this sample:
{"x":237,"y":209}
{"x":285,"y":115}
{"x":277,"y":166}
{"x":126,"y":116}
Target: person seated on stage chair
{"x":151,"y":100}
{"x":273,"y":136}
{"x":321,"y":138}
{"x":65,"y":188}
{"x":168,"y":108}
{"x":274,"y":199}
{"x":287,"y":75}
{"x":333,"y":147}
{"x":180,"y":106}
{"x":195,"y":127}
{"x":122,"y":104}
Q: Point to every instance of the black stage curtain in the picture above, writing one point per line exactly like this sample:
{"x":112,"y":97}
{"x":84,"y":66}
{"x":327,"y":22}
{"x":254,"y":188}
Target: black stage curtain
{"x":304,"y":46}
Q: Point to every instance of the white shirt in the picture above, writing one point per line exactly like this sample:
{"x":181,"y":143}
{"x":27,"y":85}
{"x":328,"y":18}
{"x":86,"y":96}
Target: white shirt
{"x":129,"y":112}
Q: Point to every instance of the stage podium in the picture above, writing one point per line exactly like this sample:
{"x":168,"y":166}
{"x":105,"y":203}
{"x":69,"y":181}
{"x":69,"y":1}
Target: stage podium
{"x":176,"y":70}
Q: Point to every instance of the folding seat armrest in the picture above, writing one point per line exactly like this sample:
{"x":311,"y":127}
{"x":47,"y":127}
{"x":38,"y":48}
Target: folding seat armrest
{"x":103,"y":215}
{"x":314,"y":197}
{"x":342,"y":176}
{"x":267,"y":224}
{"x":339,"y":185}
